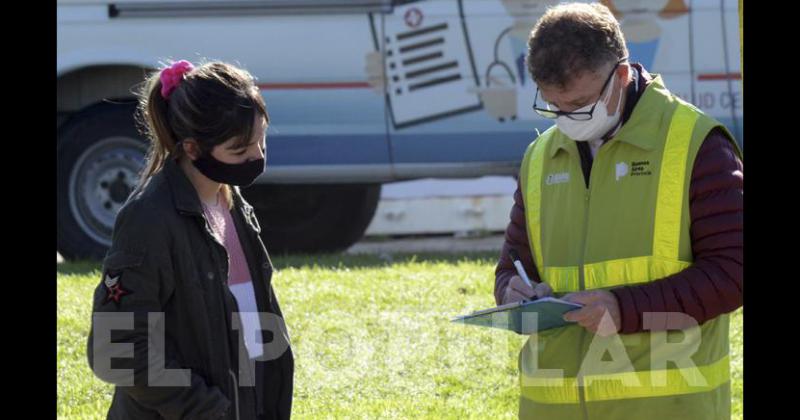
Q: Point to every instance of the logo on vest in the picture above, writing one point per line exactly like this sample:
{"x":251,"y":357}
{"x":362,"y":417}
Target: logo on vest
{"x":559,"y":178}
{"x":622,"y":170}
{"x":640,"y":168}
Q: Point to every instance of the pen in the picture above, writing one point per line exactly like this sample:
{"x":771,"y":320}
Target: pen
{"x":518,"y":265}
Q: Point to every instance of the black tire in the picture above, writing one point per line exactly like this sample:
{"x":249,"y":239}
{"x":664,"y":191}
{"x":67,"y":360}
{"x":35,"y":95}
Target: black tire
{"x":312,"y":218}
{"x":99,"y":156}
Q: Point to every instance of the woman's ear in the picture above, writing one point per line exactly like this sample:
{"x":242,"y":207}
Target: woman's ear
{"x":191,"y":148}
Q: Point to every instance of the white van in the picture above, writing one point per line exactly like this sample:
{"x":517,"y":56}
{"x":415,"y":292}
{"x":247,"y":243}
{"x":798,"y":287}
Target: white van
{"x":360,"y":93}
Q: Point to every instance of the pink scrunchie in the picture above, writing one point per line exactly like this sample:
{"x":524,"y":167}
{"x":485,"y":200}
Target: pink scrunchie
{"x":172,"y":76}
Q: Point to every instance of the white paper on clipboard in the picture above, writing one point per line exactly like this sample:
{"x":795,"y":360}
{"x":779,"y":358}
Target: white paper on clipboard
{"x":429,"y":69}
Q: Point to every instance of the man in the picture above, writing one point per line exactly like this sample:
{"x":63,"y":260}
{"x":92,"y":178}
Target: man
{"x":631,"y":205}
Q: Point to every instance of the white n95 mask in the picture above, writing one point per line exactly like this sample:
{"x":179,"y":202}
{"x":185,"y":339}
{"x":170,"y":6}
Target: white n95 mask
{"x":594,"y":128}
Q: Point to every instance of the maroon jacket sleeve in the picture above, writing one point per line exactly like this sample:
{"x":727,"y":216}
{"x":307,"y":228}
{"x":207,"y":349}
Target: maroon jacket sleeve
{"x":712,"y":285}
{"x":516,"y":237}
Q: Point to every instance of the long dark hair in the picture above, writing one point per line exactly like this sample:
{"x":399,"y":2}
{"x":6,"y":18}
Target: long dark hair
{"x":213,"y":103}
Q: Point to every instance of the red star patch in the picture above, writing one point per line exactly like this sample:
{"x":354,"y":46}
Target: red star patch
{"x":114,"y":287}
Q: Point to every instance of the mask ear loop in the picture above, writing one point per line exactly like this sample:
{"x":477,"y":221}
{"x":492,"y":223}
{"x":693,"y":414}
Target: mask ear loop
{"x":619,"y":102}
{"x":636,"y":80}
{"x":179,"y":145}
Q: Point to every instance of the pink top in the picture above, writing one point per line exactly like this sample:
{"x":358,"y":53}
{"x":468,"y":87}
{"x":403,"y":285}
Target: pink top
{"x":239,"y":279}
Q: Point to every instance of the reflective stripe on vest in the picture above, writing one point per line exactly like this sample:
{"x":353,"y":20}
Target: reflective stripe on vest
{"x":666,"y":238}
{"x":653,"y":383}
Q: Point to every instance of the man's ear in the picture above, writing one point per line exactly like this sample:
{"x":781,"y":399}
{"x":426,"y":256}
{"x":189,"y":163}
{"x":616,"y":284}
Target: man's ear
{"x":624,"y":71}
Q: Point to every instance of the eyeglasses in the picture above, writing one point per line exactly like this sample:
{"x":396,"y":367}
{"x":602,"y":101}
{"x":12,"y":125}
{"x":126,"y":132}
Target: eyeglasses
{"x":577,"y":116}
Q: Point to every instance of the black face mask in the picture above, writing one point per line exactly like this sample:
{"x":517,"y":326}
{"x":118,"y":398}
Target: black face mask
{"x":240,"y":174}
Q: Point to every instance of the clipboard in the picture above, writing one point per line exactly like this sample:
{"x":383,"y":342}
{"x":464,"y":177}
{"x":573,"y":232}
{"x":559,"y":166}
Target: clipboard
{"x":519,"y":316}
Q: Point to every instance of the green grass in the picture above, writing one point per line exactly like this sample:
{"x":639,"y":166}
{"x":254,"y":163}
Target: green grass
{"x":371,"y":336}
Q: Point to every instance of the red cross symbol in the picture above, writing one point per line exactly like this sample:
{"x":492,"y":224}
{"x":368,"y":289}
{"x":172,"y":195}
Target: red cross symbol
{"x":413,"y":17}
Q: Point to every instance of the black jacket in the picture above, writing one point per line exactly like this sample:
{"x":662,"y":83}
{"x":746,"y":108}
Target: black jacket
{"x":164,"y":260}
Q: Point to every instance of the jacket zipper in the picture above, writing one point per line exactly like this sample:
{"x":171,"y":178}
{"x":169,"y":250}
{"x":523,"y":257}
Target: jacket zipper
{"x":222,"y":282}
{"x":235,"y":392}
{"x":582,"y":287}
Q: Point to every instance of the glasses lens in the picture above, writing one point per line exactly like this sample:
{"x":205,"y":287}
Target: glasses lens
{"x":546,"y":113}
{"x":542,"y":107}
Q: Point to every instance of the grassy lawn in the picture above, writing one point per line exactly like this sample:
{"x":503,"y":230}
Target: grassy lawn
{"x":371,"y":336}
